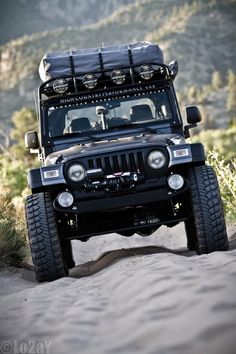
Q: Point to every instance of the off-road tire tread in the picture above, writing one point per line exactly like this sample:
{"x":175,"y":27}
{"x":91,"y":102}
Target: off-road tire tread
{"x":44,"y":238}
{"x":209,"y":221}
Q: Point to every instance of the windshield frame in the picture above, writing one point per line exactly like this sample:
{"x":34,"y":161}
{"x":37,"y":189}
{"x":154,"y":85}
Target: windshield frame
{"x":118,"y":93}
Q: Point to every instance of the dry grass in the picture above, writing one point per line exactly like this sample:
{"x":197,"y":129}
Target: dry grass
{"x":13,"y":245}
{"x":226,"y":173}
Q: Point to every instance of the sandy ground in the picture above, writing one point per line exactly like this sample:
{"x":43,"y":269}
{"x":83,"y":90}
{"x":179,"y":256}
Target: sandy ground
{"x":161,"y":303}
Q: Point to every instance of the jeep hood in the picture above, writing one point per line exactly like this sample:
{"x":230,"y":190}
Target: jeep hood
{"x":106,"y":146}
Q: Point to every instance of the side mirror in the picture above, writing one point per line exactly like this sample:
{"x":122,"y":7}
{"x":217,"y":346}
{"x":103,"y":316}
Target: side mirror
{"x":193,"y":115}
{"x":174,"y":68}
{"x":101,"y":110}
{"x":31,"y":140}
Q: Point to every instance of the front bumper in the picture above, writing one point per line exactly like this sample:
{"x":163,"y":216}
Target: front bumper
{"x":131,"y":199}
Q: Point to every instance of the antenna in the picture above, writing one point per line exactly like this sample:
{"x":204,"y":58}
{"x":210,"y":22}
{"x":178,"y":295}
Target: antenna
{"x":36,"y":105}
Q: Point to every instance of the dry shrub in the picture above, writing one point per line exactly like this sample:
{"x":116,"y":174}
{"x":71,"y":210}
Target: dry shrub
{"x":13,"y":244}
{"x":226,"y":173}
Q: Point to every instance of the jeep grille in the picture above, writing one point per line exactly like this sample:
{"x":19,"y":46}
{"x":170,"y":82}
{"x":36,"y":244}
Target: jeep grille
{"x":130,"y":162}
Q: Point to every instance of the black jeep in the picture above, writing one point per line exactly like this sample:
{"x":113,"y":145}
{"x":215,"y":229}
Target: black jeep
{"x":115,"y":159}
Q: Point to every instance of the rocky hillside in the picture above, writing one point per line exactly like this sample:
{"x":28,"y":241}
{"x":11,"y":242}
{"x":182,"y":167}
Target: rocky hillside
{"x":201,"y":35}
{"x":32,"y":16}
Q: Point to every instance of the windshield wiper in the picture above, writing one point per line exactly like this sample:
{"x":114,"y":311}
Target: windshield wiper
{"x":86,"y":135}
{"x":142,"y":128}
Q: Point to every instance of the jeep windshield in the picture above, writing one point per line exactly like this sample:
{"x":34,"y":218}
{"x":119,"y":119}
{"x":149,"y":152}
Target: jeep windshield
{"x":118,"y":113}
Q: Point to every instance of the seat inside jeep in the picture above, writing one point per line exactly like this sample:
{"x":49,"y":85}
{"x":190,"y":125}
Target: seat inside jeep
{"x":140,"y":112}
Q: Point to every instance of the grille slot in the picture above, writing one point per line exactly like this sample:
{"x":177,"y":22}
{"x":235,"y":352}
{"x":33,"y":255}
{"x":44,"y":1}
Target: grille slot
{"x":90,"y":164}
{"x":99,"y":163}
{"x":130,"y":162}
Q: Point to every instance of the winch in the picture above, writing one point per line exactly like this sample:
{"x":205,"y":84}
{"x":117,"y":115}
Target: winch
{"x":115,"y":182}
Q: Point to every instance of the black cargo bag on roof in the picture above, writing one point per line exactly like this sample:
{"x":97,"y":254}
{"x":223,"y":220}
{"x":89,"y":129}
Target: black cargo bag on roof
{"x":93,"y":60}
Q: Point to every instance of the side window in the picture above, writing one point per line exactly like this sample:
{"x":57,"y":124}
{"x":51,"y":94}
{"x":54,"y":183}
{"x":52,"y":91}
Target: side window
{"x":56,"y":121}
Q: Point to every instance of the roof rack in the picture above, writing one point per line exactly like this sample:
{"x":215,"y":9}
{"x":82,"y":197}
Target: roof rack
{"x":75,"y":83}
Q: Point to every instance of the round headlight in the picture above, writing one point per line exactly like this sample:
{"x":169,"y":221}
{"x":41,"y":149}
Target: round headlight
{"x":118,"y":76}
{"x":175,"y":181}
{"x":90,"y":81}
{"x":65,"y":199}
{"x":156,"y":159}
{"x":146,"y":71}
{"x":60,"y":86}
{"x":76,"y":172}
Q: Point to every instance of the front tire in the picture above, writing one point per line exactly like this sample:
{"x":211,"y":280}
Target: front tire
{"x":206,"y":230}
{"x":44,"y":238}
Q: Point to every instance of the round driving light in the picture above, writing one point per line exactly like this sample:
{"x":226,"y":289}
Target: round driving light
{"x":60,"y":86}
{"x":90,"y":81}
{"x":65,"y":199}
{"x":76,"y":172}
{"x":118,"y":76}
{"x":146,"y":71}
{"x":175,"y":181}
{"x":156,"y":159}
